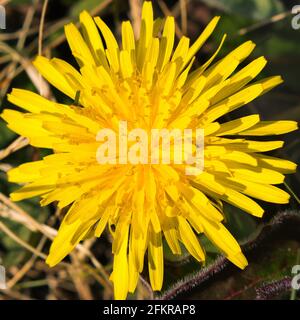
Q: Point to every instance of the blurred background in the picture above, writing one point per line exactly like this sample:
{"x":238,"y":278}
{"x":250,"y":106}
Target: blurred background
{"x":271,"y":244}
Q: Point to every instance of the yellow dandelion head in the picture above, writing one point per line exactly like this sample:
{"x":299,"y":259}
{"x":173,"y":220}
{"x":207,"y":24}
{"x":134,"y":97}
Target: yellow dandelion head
{"x":147,"y":83}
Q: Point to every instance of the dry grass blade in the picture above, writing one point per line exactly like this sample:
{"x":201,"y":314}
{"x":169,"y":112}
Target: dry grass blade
{"x":135,"y":12}
{"x":164,"y":8}
{"x":264,"y":23}
{"x":4,"y":2}
{"x":59,"y":40}
{"x":26,"y":267}
{"x":40,"y":44}
{"x":183,"y":9}
{"x":77,"y":275}
{"x":17,"y":214}
{"x":27,"y":66}
{"x":12,"y":294}
{"x":20,"y":45}
{"x":21,"y":242}
{"x":16,"y":145}
{"x":5,"y":167}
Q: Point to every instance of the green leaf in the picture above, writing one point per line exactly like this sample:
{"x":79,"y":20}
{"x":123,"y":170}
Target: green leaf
{"x":83,"y":5}
{"x":254,"y":9}
{"x":238,"y":222}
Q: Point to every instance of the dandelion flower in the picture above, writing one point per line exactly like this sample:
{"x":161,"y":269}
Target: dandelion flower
{"x":150,"y":83}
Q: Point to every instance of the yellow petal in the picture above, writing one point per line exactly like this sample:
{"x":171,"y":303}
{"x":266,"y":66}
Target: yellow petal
{"x":190,"y":240}
{"x":145,"y":33}
{"x":201,"y":39}
{"x":33,"y":102}
{"x":240,"y":79}
{"x":224,"y":68}
{"x":265,"y":128}
{"x":263,"y":175}
{"x":222,"y":238}
{"x":239,"y":157}
{"x":281,"y":165}
{"x":51,"y":74}
{"x":62,"y":244}
{"x":260,"y":191}
{"x":93,"y":39}
{"x":133,"y":272}
{"x":166,"y":43}
{"x":235,"y":126}
{"x":26,"y":172}
{"x":155,"y":260}
{"x":78,"y":46}
{"x":243,"y":202}
{"x":112,"y":51}
{"x":120,"y":267}
{"x":126,"y":64}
